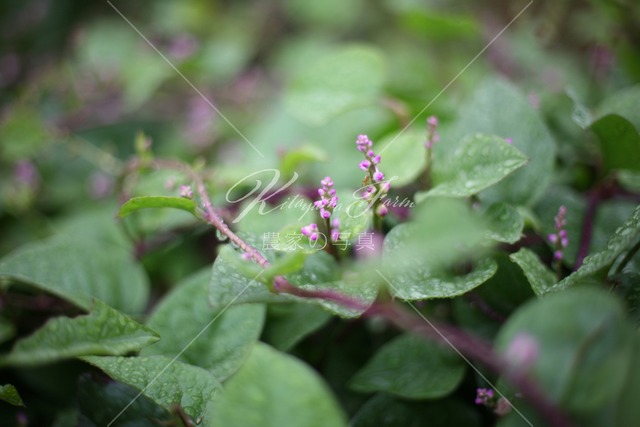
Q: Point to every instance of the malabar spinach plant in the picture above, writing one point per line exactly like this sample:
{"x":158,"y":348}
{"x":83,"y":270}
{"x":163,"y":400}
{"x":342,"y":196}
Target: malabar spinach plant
{"x":329,"y":217}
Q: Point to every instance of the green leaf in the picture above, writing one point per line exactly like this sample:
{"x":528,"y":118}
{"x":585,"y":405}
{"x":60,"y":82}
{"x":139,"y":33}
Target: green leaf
{"x":9,"y":394}
{"x":294,"y":159}
{"x":404,"y":156}
{"x":627,"y":410}
{"x":498,"y":108}
{"x":630,"y":180}
{"x":104,"y":331}
{"x":585,"y":346}
{"x":354,"y":218}
{"x":624,"y":103}
{"x":441,"y":232}
{"x":411,"y":367}
{"x":539,"y":276}
{"x":164,"y":380}
{"x":100,"y":402}
{"x":384,"y":410}
{"x":225,"y":334}
{"x":79,"y":271}
{"x":414,"y":281}
{"x":480,"y":163}
{"x":275,"y":389}
{"x":619,"y":143}
{"x":289,"y":323}
{"x":149,"y":202}
{"x":603,"y":260}
{"x":230,"y":282}
{"x":334,"y":83}
{"x":289,"y":262}
{"x":505,"y":222}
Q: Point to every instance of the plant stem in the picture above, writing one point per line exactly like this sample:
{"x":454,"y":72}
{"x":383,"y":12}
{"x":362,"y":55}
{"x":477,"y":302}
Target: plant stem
{"x":593,"y":199}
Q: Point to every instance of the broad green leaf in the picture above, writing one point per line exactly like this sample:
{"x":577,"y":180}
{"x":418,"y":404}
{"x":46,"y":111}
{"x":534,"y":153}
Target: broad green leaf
{"x":104,"y":331}
{"x":441,"y":232}
{"x":334,"y":83}
{"x":625,"y":103}
{"x":289,"y":262}
{"x":264,"y":220}
{"x":232,"y":283}
{"x":585,"y":346}
{"x":414,"y":281}
{"x":411,"y":367}
{"x":164,"y":380}
{"x":149,"y":202}
{"x":353,"y":219}
{"x":498,"y":108}
{"x":9,"y":394}
{"x":630,"y":180}
{"x":384,"y":410}
{"x":298,"y":157}
{"x":100,"y":402}
{"x":480,"y":163}
{"x":225,"y":335}
{"x":505,"y":291}
{"x":627,"y":410}
{"x":626,"y":288}
{"x":539,"y":276}
{"x":275,"y":389}
{"x":505,"y":222}
{"x":603,"y":260}
{"x":619,"y":143}
{"x":403,"y":156}
{"x":78,"y":270}
{"x":289,"y":323}
{"x":427,"y":20}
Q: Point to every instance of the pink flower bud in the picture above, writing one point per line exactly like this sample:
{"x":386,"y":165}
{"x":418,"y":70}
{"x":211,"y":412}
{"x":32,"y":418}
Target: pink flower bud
{"x":186,"y":192}
{"x":378,"y":176}
{"x":365,"y":165}
{"x":523,"y":351}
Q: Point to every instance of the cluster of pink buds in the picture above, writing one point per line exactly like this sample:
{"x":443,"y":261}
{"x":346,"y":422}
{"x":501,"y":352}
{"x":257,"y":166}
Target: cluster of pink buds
{"x":485,"y":396}
{"x":432,"y":135}
{"x":328,"y":199}
{"x":186,"y":192}
{"x":560,"y":238}
{"x":326,"y":204}
{"x":376,"y":189}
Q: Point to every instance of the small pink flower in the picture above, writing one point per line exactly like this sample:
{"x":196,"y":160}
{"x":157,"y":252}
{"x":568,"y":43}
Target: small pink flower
{"x":186,"y":192}
{"x":327,"y":182}
{"x":378,"y":176}
{"x":365,"y":165}
{"x":522,"y":351}
{"x":382,"y":210}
